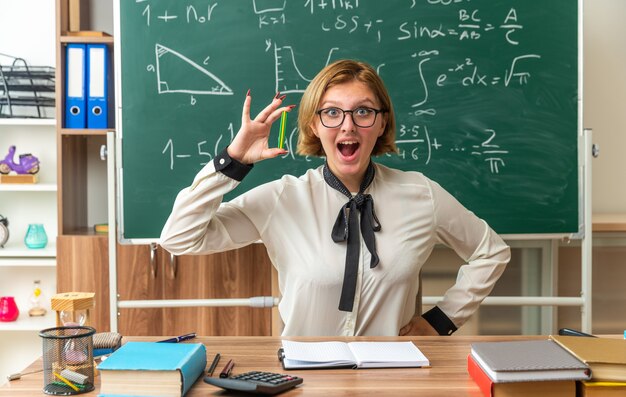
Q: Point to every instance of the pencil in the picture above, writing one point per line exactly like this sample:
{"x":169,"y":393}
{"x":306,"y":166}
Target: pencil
{"x":214,"y":364}
{"x":67,"y":382}
{"x":281,"y":137}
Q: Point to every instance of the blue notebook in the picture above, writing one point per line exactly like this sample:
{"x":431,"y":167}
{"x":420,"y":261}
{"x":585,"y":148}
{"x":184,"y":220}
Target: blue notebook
{"x":152,"y":369}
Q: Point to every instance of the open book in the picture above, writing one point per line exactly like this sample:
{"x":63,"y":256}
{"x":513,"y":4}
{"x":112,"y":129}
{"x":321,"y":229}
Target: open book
{"x":309,"y":355}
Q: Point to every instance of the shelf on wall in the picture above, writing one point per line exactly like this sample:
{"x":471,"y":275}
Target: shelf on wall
{"x":17,"y":249}
{"x":23,"y":187}
{"x":27,"y":121}
{"x":27,"y":262}
{"x":26,"y":323}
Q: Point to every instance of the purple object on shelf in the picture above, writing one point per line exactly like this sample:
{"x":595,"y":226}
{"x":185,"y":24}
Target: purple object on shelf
{"x":28,"y":164}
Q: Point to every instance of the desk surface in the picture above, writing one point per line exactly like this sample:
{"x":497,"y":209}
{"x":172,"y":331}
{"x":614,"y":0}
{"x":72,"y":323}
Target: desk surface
{"x":447,"y":375}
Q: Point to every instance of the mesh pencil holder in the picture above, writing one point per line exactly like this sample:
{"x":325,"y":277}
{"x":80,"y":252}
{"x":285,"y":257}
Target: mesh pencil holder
{"x":68,"y":360}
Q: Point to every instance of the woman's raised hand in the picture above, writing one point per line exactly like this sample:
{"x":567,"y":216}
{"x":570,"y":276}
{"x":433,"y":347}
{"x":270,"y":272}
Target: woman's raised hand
{"x":251,"y":142}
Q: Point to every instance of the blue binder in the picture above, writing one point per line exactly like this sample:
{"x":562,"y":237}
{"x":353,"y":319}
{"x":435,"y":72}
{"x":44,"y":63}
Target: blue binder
{"x":75,"y":87}
{"x":97,"y":86}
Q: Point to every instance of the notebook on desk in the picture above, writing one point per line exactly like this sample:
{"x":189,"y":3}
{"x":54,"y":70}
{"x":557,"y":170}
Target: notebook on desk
{"x":316,"y":355}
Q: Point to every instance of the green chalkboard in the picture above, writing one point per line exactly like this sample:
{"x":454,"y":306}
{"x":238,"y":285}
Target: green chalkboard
{"x":486,"y":94}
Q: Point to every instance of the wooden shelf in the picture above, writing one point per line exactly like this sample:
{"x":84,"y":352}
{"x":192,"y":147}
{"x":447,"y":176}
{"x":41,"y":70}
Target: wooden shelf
{"x":85,"y":131}
{"x":87,"y":39}
{"x":84,"y":232}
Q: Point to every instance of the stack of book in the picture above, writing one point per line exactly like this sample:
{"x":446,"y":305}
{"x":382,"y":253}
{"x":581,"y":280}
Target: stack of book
{"x":525,"y":368}
{"x":152,"y":369}
{"x":607,"y":359}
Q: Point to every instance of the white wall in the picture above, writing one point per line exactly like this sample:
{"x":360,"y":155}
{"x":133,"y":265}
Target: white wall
{"x":604,"y":99}
{"x":27,"y":31}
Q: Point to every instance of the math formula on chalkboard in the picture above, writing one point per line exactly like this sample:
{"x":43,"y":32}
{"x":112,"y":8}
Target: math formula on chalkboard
{"x":486,"y":95}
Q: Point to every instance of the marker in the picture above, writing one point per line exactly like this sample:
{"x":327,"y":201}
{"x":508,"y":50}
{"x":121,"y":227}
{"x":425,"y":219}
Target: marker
{"x":214,"y":364}
{"x":281,"y":137}
{"x":227,"y":369}
{"x":177,"y":339}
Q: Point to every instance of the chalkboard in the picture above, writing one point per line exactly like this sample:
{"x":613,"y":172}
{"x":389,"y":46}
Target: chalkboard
{"x":486,"y":94}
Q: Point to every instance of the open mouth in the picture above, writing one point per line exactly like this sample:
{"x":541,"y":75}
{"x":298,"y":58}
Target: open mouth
{"x":347,"y":149}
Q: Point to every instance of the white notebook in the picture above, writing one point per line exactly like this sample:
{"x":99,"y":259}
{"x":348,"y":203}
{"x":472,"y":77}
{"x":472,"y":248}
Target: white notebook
{"x":303,"y":355}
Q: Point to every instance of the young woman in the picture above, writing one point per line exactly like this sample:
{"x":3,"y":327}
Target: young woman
{"x":348,"y":238}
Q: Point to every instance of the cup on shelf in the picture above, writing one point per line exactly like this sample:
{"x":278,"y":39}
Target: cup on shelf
{"x":36,"y":236}
{"x":8,"y":309}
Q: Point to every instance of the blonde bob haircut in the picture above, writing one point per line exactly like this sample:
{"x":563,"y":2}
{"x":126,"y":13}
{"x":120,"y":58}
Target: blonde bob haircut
{"x":336,"y":73}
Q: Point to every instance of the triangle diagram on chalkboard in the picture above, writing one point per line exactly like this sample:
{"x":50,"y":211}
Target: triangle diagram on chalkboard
{"x":177,"y":73}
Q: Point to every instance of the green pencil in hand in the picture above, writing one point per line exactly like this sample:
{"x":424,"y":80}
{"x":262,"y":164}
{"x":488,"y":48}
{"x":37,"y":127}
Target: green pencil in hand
{"x":281,"y":136}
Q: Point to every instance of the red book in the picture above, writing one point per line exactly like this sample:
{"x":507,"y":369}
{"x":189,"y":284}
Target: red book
{"x":562,"y":388}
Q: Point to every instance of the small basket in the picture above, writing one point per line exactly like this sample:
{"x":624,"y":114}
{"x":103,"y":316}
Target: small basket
{"x":68,"y":360}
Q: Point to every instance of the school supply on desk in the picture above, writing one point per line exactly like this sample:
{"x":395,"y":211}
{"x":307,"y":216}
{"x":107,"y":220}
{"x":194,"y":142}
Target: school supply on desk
{"x":180,"y":338}
{"x":268,"y":383}
{"x":213,"y":365}
{"x":68,"y":366}
{"x":228,"y":368}
{"x":605,"y":356}
{"x":559,"y":388}
{"x":309,"y":355}
{"x":528,"y":360}
{"x":66,"y":382}
{"x":154,"y":369}
{"x":600,"y":389}
{"x":74,"y":377}
{"x":106,"y":343}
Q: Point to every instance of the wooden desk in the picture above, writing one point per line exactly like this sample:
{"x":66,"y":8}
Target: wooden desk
{"x":446,"y":377}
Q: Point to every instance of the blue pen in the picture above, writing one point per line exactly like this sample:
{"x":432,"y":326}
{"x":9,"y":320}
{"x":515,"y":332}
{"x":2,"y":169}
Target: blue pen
{"x":177,"y":339}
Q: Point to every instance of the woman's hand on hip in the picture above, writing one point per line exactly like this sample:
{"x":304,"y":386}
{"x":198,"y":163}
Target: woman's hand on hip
{"x":418,"y":326}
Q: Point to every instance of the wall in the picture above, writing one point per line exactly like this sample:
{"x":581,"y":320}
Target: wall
{"x":27,"y":30}
{"x":604,"y":99}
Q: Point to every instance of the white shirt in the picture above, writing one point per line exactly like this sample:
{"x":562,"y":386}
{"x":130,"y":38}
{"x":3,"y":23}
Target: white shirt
{"x":294,"y":217}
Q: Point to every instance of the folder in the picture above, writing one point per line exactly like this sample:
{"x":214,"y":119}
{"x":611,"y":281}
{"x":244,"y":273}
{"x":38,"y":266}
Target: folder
{"x":97,"y":87}
{"x":75,"y":88}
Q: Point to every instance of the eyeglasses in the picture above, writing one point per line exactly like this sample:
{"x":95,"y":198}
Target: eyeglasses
{"x":363,"y":117}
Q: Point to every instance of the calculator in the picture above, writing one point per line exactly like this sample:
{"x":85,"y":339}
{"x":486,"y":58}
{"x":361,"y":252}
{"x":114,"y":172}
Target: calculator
{"x":257,"y":382}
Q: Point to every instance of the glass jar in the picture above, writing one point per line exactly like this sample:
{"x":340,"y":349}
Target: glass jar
{"x":35,"y":306}
{"x":36,"y":236}
{"x":8,"y":309}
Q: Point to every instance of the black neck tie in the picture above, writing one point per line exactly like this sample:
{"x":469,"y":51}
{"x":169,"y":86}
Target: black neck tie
{"x":346,"y":229}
